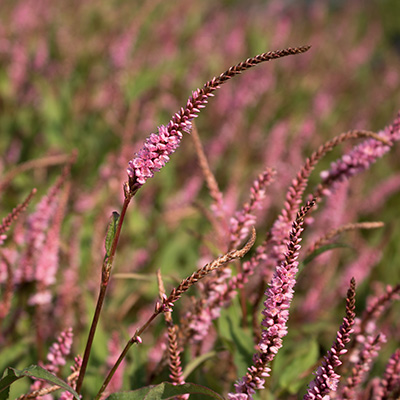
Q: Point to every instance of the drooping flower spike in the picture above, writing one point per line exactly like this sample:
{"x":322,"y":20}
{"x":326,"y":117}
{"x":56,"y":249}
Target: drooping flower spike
{"x":168,"y":302}
{"x":158,"y":148}
{"x":359,"y":158}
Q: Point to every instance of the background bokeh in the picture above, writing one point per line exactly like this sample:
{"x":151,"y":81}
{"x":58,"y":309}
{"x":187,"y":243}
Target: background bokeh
{"x":99,"y":77}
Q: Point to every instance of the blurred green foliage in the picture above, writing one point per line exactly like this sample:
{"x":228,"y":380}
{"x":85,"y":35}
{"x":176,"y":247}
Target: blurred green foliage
{"x":112,"y":72}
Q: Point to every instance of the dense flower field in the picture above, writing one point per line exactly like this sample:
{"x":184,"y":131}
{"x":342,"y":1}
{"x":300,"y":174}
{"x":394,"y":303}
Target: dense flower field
{"x":168,"y":234}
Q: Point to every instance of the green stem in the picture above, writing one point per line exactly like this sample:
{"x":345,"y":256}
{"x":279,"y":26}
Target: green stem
{"x":105,"y":276}
{"x":114,"y":368}
{"x":134,"y":339}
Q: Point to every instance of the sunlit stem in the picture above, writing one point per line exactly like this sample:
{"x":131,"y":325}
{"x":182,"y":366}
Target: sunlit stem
{"x":105,"y":277}
{"x":134,"y":339}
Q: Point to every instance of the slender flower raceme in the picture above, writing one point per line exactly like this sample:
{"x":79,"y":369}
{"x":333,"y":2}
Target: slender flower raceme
{"x":299,"y":184}
{"x":176,"y":373}
{"x":166,"y":304}
{"x":278,"y":234}
{"x":154,"y":155}
{"x":38,"y":224}
{"x":48,"y":260}
{"x":333,"y":233}
{"x":375,"y":308}
{"x":366,"y":328}
{"x":275,"y":241}
{"x":56,"y":356}
{"x":391,"y":378}
{"x":369,"y":352}
{"x":326,"y":379}
{"x":276,"y":313}
{"x":158,"y":148}
{"x":13,"y":215}
{"x":196,"y":323}
{"x":360,"y":158}
{"x":209,"y":177}
{"x":72,"y":378}
{"x":245,"y":218}
{"x":176,"y":293}
{"x":214,"y":290}
{"x":59,"y":350}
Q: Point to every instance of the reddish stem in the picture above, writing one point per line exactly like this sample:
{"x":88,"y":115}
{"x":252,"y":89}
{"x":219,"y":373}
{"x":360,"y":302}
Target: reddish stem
{"x":105,"y":277}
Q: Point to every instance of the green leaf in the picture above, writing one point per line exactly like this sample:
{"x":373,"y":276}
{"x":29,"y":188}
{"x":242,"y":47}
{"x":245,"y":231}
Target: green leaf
{"x":191,"y":366}
{"x":239,"y":340}
{"x":13,"y":355}
{"x":12,"y":374}
{"x":111,"y":231}
{"x":164,"y":391}
{"x":5,"y":383}
{"x":292,"y":360}
{"x":323,"y":249}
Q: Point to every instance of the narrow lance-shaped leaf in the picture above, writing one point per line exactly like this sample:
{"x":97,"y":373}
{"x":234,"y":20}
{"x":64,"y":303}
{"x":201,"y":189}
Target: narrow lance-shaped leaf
{"x":111,"y":230}
{"x":12,"y":374}
{"x":164,"y":391}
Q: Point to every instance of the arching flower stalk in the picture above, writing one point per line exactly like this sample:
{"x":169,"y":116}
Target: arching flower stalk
{"x":166,"y":304}
{"x":359,"y":158}
{"x":333,"y":233}
{"x":154,"y":154}
{"x":158,"y":147}
{"x":201,"y":273}
{"x":296,"y":190}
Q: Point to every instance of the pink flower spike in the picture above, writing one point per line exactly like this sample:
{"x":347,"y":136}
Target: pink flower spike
{"x":360,"y":157}
{"x":326,"y":379}
{"x":56,"y":356}
{"x":181,"y":121}
{"x":60,"y":349}
{"x":276,"y":314}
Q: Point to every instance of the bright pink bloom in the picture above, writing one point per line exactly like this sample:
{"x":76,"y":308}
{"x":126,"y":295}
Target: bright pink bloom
{"x":59,"y":350}
{"x":361,"y":157}
{"x":276,"y":313}
{"x":154,"y":154}
{"x":56,"y":356}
